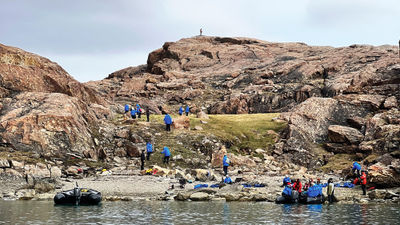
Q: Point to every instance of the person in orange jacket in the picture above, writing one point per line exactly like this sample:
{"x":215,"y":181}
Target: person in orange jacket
{"x":363,"y":179}
{"x":297,"y":185}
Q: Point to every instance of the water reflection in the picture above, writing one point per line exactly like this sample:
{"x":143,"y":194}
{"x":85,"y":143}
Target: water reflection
{"x":145,"y":212}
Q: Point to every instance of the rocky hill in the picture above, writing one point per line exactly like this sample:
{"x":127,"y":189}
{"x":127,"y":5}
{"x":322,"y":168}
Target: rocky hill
{"x":337,"y":102}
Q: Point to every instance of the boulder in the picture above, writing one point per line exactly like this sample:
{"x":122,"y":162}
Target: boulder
{"x":132,"y":150}
{"x":383,"y":176}
{"x":55,"y":172}
{"x":4,"y":163}
{"x":343,"y":134}
{"x":182,"y":122}
{"x":199,"y":196}
{"x":25,"y":194}
{"x":202,"y":174}
{"x":377,"y":194}
{"x":72,"y":171}
{"x":390,"y":102}
{"x":202,"y":115}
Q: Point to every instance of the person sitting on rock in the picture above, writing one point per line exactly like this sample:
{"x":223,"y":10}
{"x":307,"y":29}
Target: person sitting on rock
{"x":228,"y":180}
{"x":187,"y":110}
{"x":297,"y":185}
{"x":133,"y":113}
{"x":363,"y":180}
{"x":167,"y":154}
{"x":286,"y":180}
{"x":330,"y":191}
{"x":225,"y":164}
{"x":149,"y":149}
{"x":180,"y":111}
{"x":356,"y":169}
{"x":168,"y":122}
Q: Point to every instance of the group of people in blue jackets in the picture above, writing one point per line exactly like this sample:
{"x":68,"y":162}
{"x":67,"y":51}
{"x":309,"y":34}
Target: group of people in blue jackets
{"x":137,"y":111}
{"x":149,"y":147}
{"x":187,"y":110}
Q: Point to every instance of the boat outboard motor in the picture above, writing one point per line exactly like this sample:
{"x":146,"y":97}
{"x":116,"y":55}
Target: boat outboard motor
{"x":77,"y":194}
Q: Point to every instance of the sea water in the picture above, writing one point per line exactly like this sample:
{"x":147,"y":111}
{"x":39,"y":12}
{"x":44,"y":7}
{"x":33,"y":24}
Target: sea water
{"x":157,"y":212}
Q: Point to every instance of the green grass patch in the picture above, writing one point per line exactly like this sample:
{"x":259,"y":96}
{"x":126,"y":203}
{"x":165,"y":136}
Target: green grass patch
{"x":242,"y":131}
{"x":338,"y":162}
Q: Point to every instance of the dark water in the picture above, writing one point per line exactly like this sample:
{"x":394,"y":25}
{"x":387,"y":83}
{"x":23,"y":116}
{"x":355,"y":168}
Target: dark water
{"x":152,"y":212}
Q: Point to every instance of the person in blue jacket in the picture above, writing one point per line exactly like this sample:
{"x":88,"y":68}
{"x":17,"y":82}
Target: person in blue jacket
{"x":286,"y":180}
{"x":168,"y":122}
{"x":149,"y":149}
{"x":133,"y":113}
{"x":225,"y":164}
{"x":138,"y":110}
{"x":228,"y":180}
{"x":187,"y":110}
{"x":180,"y":111}
{"x":287,"y":191}
{"x":167,"y":154}
{"x":126,"y":108}
{"x":356,"y":168}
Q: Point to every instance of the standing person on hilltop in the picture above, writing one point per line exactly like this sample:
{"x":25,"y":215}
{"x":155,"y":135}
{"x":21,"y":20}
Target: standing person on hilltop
{"x":187,"y":110}
{"x":201,"y":33}
{"x":225,"y":164}
{"x":167,"y":154}
{"x":168,"y":122}
{"x":133,"y":113}
{"x":149,"y":149}
{"x":142,"y":158}
{"x":180,"y":111}
{"x":148,"y":114}
{"x":138,"y":110}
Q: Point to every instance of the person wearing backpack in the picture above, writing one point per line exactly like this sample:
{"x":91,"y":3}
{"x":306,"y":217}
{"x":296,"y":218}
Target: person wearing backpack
{"x":225,"y":164}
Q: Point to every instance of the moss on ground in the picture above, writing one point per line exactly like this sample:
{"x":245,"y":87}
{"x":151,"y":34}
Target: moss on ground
{"x":339,"y":162}
{"x":242,"y":133}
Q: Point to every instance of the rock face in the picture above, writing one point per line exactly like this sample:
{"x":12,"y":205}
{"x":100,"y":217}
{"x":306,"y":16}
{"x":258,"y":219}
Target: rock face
{"x":336,"y":100}
{"x":242,"y":75}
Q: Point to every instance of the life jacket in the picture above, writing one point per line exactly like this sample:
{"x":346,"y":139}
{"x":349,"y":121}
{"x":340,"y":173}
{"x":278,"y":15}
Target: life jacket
{"x":363,"y":178}
{"x":297,"y":186}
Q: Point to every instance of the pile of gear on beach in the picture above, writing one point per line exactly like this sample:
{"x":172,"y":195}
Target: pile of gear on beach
{"x":311,"y":193}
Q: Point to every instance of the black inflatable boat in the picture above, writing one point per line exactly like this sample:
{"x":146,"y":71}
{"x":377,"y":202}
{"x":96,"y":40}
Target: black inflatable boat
{"x":284,"y":199}
{"x":78,"y":196}
{"x":304,"y":199}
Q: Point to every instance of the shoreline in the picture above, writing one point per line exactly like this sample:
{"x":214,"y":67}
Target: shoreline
{"x":157,"y":188}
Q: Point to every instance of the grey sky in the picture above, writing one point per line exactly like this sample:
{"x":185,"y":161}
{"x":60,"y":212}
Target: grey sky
{"x":92,"y":38}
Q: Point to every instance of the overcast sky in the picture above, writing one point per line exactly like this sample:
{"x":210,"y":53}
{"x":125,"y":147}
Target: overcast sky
{"x":93,"y":38}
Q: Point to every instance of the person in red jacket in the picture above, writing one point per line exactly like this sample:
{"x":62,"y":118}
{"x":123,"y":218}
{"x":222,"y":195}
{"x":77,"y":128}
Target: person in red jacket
{"x":363,"y":179}
{"x":297,"y":185}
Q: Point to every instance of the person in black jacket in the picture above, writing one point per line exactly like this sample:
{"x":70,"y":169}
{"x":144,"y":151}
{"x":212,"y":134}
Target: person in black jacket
{"x":148,"y":114}
{"x":142,"y":158}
